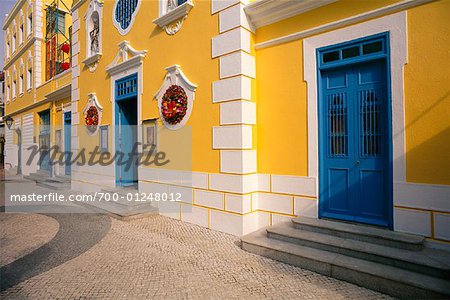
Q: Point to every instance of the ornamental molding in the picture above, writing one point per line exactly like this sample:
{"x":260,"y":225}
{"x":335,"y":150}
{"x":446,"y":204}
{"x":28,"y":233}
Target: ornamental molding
{"x":175,"y":76}
{"x":133,"y":17}
{"x":93,"y":49}
{"x":123,"y":61}
{"x":93,"y":101}
{"x":265,"y":12}
{"x":172,"y":21}
{"x":92,"y":61}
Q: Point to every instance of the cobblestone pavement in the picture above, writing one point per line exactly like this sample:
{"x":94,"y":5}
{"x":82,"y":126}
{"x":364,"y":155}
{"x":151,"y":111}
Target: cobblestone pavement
{"x":158,"y":257}
{"x":20,"y":236}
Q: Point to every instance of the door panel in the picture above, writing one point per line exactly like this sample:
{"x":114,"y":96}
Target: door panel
{"x":127,"y":137}
{"x":354,"y":157}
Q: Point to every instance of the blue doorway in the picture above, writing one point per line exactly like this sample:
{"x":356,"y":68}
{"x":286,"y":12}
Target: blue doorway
{"x":354,"y":132}
{"x":67,"y":141}
{"x":44,"y":141}
{"x":126,"y":117}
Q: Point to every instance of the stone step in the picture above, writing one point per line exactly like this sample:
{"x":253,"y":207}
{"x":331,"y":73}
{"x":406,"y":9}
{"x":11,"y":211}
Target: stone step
{"x":361,"y":232}
{"x":383,"y":278}
{"x":54,"y":185}
{"x":61,"y":179}
{"x":36,"y":177}
{"x":121,"y":211}
{"x":42,"y":172}
{"x":122,"y":191}
{"x":426,"y":261}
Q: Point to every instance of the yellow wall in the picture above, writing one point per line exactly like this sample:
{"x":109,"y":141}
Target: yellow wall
{"x":36,"y":93}
{"x":281,"y":110}
{"x":326,"y":14}
{"x":190,"y":48}
{"x":282,"y":94}
{"x":13,"y":61}
{"x":427,"y":94}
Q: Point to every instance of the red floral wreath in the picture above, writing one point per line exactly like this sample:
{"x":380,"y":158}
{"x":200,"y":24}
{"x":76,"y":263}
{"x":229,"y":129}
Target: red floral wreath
{"x":174,"y":104}
{"x":91,"y":118}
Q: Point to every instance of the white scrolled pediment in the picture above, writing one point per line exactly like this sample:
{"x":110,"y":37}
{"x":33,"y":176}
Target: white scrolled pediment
{"x":127,"y":57}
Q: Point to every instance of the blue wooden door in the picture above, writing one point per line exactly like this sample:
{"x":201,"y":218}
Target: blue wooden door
{"x":126,"y":130}
{"x":354,"y":144}
{"x":67,"y":141}
{"x":44,"y":140}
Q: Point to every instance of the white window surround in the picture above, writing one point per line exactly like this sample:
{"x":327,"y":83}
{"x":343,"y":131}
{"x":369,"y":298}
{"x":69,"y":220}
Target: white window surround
{"x":396,"y":25}
{"x":121,"y":67}
{"x":95,"y":9}
{"x":166,"y":19}
{"x":29,"y":78}
{"x":122,"y":62}
{"x":8,"y":93}
{"x":14,"y":41}
{"x":133,"y":17}
{"x":21,"y":34}
{"x":21,"y":85}
{"x":14,"y":86}
{"x":29,"y":66}
{"x":30,"y":23}
{"x":175,"y":76}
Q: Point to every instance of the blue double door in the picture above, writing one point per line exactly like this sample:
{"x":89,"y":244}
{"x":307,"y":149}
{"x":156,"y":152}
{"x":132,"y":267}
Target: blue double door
{"x":354,"y":151}
{"x":126,"y":117}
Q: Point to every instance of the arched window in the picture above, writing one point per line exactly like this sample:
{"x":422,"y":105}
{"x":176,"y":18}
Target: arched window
{"x":124,"y":13}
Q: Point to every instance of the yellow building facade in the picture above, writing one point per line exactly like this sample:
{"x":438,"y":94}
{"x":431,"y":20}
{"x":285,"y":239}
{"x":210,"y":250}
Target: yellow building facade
{"x":34,"y":85}
{"x":272,"y":122}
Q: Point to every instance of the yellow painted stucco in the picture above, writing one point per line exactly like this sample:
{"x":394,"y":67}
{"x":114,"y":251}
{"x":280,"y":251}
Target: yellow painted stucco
{"x":281,"y":110}
{"x":322,"y":15}
{"x":282,"y":93}
{"x":427,"y":94}
{"x":190,"y":48}
{"x":28,"y":101}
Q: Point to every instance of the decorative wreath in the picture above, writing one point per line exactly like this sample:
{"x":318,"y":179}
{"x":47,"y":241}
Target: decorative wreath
{"x":174,"y":104}
{"x":91,"y":118}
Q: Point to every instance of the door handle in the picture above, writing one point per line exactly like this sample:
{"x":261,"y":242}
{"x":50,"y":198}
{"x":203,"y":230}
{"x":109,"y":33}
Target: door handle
{"x":358,"y":162}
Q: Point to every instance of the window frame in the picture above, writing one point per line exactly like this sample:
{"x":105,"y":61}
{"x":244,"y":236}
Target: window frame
{"x":29,"y":78}
{"x":29,"y":24}
{"x":21,"y":34}
{"x":14,"y":41}
{"x":14,"y":86}
{"x":133,"y":18}
{"x":21,"y":84}
{"x":101,"y":140}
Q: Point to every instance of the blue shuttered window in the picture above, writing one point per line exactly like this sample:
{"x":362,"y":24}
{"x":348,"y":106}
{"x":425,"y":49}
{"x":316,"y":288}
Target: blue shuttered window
{"x":124,"y":12}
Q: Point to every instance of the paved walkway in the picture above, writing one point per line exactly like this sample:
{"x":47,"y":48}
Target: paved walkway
{"x":95,"y":257}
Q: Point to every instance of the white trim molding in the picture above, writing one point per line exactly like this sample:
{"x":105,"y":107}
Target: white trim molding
{"x":93,"y":55}
{"x":175,"y":76}
{"x":265,"y":12}
{"x":171,"y":21}
{"x":396,"y":25}
{"x":133,"y":17}
{"x":122,"y":62}
{"x":403,"y":5}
